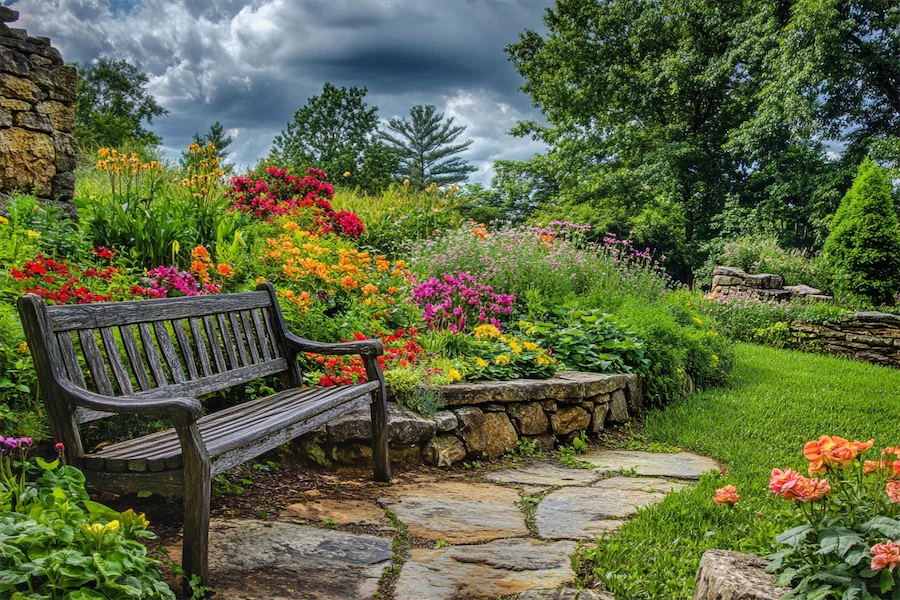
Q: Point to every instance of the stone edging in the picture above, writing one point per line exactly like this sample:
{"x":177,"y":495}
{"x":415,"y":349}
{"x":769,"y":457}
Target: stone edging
{"x":726,"y":575}
{"x":485,"y":419}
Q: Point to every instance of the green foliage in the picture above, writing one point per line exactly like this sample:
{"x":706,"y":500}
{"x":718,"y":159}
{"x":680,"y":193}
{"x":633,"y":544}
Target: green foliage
{"x":775,"y":402}
{"x":334,"y":132}
{"x":425,"y":148}
{"x":218,"y":138}
{"x":588,"y":340}
{"x":58,"y":544}
{"x":414,"y":387}
{"x":112,"y":105}
{"x":864,"y":245}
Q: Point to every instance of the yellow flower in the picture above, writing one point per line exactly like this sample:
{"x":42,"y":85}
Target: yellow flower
{"x":699,"y":322}
{"x":485,"y":331}
{"x":346,"y":173}
{"x":32,"y":234}
{"x":480,"y":362}
{"x":4,"y":220}
{"x":530,"y":346}
{"x":454,"y":375}
{"x":515,"y":347}
{"x":406,"y":182}
{"x":502,"y":359}
{"x":23,"y":347}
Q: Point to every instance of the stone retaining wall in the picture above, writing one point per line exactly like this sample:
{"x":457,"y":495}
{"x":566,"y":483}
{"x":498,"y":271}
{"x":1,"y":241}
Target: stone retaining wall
{"x":37,"y":116}
{"x":485,"y":419}
{"x":870,"y":336}
{"x":727,"y":280}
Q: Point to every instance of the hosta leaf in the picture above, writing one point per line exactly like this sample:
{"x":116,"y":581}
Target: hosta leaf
{"x":793,"y":537}
{"x":820,"y":593}
{"x":853,"y":591}
{"x":856,"y":556}
{"x":834,"y":576}
{"x":838,"y":541}
{"x":886,"y":526}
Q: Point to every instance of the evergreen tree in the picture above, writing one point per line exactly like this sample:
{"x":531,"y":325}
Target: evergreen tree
{"x":218,"y":138}
{"x":864,"y":245}
{"x":425,"y":148}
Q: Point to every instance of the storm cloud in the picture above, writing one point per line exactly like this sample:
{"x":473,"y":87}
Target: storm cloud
{"x":252,"y":64}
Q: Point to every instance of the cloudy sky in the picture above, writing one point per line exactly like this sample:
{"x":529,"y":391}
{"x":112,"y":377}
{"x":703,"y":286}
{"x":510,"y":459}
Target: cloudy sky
{"x":252,"y":63}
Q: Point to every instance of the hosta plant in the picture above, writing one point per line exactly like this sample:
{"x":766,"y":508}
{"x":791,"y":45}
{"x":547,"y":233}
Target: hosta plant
{"x":847,"y":548}
{"x":56,"y":544}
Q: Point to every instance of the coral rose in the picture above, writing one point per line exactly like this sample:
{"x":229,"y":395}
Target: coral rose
{"x":893,"y":491}
{"x":885,"y":556}
{"x":781,"y":478}
{"x":727,"y":495}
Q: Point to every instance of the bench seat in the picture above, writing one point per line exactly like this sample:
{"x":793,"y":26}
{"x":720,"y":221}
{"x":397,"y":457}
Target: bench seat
{"x":260,"y":425}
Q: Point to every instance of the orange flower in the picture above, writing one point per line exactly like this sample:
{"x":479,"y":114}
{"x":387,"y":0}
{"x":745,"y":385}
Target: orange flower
{"x":727,"y":495}
{"x":796,"y":488}
{"x":348,"y":282}
{"x":199,"y":251}
{"x":832,"y":450}
{"x":779,"y":479}
{"x":225,"y":270}
{"x":369,"y":289}
{"x":885,"y":556}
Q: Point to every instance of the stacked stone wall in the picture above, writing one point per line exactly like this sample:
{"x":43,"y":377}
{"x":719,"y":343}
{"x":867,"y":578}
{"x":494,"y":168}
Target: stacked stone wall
{"x":485,"y":420}
{"x":37,"y":116}
{"x":728,"y":280}
{"x":869,"y":336}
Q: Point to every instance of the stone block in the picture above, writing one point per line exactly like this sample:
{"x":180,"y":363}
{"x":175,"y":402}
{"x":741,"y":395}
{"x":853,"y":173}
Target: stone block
{"x":61,"y":116}
{"x":19,"y":88}
{"x":444,"y":450}
{"x":27,"y":161}
{"x":8,"y":15}
{"x":570,"y":418}
{"x":529,"y":417}
{"x":618,"y":408}
{"x":726,"y":280}
{"x":763,"y":281}
{"x":14,"y":62}
{"x":598,"y":418}
{"x":729,"y":272}
{"x":445,"y":420}
{"x":486,"y":433}
{"x":33,"y":121}
{"x":404,"y":426}
{"x":6,"y":119}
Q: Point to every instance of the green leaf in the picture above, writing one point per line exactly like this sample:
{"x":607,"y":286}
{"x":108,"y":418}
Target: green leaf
{"x":886,"y":526}
{"x":793,"y":537}
{"x":838,"y":541}
{"x":886,"y":581}
{"x":47,"y":466}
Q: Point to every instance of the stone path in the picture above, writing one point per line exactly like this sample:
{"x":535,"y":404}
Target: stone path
{"x":511,"y":533}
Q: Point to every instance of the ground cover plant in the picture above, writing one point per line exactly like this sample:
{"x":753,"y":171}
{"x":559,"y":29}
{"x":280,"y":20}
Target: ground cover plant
{"x":776,"y":402}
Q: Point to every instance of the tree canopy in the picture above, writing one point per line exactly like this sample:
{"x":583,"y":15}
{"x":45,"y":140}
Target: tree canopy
{"x":425,"y":147}
{"x":113,"y":104}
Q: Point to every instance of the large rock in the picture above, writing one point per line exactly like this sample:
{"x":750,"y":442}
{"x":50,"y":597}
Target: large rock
{"x":459,"y":513}
{"x":27,"y":161}
{"x":404,"y":426}
{"x":583,"y":513}
{"x":499,"y":569}
{"x":566,"y":386}
{"x":571,"y":418}
{"x":530,"y":417}
{"x":444,"y":450}
{"x":802,"y":290}
{"x":682,"y":465}
{"x":618,"y":408}
{"x":491,"y":434}
{"x":725,"y":575}
{"x":726,"y":280}
{"x":262,"y":560}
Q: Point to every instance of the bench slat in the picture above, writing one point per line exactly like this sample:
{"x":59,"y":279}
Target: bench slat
{"x":110,"y":314}
{"x":239,"y":339}
{"x":156,"y":367}
{"x":200,"y":345}
{"x":261,"y":335}
{"x":134,"y":357}
{"x":214,"y":383}
{"x":214,"y":344}
{"x":267,"y":319}
{"x":67,"y":349}
{"x":227,"y":342}
{"x":168,"y":350}
{"x":95,"y":363}
{"x":187,"y":352}
{"x":123,"y":379}
{"x":254,"y":353}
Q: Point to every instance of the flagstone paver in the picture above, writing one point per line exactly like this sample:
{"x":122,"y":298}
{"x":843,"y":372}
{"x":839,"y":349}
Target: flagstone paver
{"x":262,"y":560}
{"x":491,"y":554}
{"x":457,"y":512}
{"x":581,"y":513}
{"x":682,"y":465}
{"x":498,"y":568}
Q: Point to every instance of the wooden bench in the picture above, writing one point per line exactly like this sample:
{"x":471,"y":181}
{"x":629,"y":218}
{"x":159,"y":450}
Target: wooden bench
{"x":155,"y":357}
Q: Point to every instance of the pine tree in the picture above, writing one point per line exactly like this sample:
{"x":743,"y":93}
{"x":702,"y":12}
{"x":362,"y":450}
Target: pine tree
{"x":425,"y":147}
{"x":217,"y":137}
{"x":863,"y":247}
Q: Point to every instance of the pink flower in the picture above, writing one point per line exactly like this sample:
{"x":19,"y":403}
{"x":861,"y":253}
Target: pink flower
{"x":885,"y":556}
{"x":727,"y":495}
{"x":893,"y":491}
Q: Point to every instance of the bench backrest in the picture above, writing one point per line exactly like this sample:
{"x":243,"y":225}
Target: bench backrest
{"x":167,"y":347}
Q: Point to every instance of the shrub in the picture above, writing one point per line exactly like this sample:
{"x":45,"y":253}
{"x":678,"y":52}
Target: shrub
{"x":58,"y":545}
{"x":863,"y":247}
{"x":458,"y":301}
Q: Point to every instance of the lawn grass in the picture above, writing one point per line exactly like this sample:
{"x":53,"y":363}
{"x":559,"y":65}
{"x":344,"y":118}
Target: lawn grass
{"x":775,"y":402}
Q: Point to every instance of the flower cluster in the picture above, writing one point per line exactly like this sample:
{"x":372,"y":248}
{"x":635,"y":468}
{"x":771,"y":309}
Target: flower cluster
{"x":63,"y":283}
{"x":829,"y":451}
{"x":10,"y":444}
{"x":793,"y":486}
{"x":499,"y":356}
{"x":120,"y":163}
{"x":400,"y":350}
{"x":201,"y":263}
{"x":455,"y":302}
{"x":203,"y":172}
{"x":166,"y":282}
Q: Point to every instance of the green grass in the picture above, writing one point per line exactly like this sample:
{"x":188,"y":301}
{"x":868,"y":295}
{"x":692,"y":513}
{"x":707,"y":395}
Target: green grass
{"x":775,"y":402}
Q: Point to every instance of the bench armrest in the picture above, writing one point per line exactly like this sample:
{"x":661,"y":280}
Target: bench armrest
{"x":184,"y":407}
{"x":365,"y":348}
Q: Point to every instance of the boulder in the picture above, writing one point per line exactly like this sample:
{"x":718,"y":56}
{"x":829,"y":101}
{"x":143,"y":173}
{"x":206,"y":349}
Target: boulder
{"x":725,"y":575}
{"x":802,"y":290}
{"x":8,"y":15}
{"x":571,"y":418}
{"x":486,"y":433}
{"x":404,"y":426}
{"x":729,"y":272}
{"x":618,"y":408}
{"x":444,"y":450}
{"x":529,"y":417}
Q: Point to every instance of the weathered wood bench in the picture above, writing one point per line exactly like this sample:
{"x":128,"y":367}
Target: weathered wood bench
{"x":95,"y":361}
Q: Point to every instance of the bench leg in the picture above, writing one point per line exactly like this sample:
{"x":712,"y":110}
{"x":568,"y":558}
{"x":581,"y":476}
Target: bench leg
{"x":197,"y":488}
{"x":380,"y":454}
